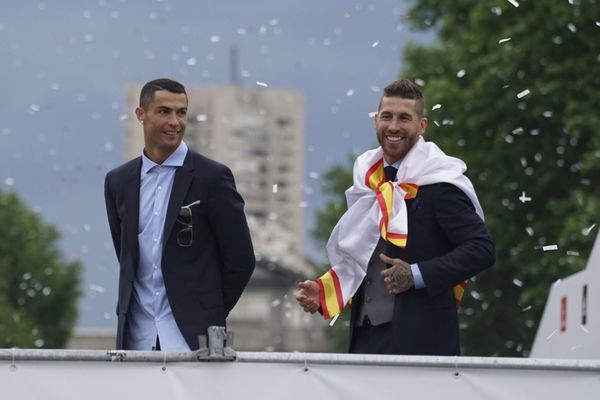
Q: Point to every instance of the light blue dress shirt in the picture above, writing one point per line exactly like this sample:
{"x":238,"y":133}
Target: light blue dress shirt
{"x":416,"y":272}
{"x":151,"y":314}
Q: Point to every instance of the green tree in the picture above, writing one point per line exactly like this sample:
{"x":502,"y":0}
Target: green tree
{"x":38,"y":290}
{"x":513,"y":92}
{"x":517,"y":90}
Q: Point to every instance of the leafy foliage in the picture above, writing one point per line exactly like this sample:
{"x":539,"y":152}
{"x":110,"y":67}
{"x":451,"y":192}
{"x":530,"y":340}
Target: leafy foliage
{"x":38,"y":290}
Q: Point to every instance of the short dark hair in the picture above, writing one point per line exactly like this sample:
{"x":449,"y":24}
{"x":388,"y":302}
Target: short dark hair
{"x":405,"y":89}
{"x":147,"y":94}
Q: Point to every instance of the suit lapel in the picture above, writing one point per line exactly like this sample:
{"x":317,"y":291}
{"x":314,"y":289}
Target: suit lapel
{"x":181,"y":184}
{"x":132,"y":205}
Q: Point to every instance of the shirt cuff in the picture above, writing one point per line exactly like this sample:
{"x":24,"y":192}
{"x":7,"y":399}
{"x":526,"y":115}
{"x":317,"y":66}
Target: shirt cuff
{"x":417,"y":277}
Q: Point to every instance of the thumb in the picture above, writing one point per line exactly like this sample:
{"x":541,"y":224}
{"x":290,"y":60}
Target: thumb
{"x":304,"y":285}
{"x":386,"y":259}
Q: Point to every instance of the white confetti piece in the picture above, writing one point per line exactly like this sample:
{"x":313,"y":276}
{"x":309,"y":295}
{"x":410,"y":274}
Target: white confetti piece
{"x":259,"y":83}
{"x":523,"y":198}
{"x":436,"y":123}
{"x":526,"y":308}
{"x":461,"y":73}
{"x":215,"y":38}
{"x":572,"y":253}
{"x":552,"y":334}
{"x":314,"y":175}
{"x":201,"y":117}
{"x":349,"y":92}
{"x":504,"y":40}
{"x":333,"y":320}
{"x":517,"y":282}
{"x":9,"y":181}
{"x":550,"y":247}
{"x":513,"y":2}
{"x":375,"y":44}
{"x":584,"y":329}
{"x":523,"y":93}
{"x":372,"y":114}
{"x":275,"y":188}
{"x":587,"y":231}
{"x":517,"y":131}
{"x":435,"y":107}
{"x":34,"y":107}
{"x":123,"y":117}
{"x":529,"y":231}
{"x":96,"y":288}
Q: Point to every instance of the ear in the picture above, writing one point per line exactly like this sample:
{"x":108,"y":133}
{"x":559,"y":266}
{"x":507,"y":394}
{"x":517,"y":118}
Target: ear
{"x":139,"y":113}
{"x":422,"y":126}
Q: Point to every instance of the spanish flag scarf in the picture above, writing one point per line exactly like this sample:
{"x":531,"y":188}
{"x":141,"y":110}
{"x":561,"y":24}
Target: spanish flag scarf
{"x":377,"y":208}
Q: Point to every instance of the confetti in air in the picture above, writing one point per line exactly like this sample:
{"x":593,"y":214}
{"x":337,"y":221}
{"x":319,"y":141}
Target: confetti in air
{"x":347,"y":15}
{"x":259,"y":83}
{"x":375,"y":44}
{"x":523,"y":198}
{"x":514,"y":3}
{"x":461,"y":73}
{"x":372,"y":114}
{"x":275,"y":188}
{"x":550,"y":247}
{"x":523,"y":94}
{"x":436,"y":107}
{"x":504,"y":40}
{"x":572,"y":253}
{"x":517,"y":131}
{"x":587,"y":231}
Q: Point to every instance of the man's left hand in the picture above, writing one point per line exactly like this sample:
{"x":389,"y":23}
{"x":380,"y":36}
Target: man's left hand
{"x":398,"y":277}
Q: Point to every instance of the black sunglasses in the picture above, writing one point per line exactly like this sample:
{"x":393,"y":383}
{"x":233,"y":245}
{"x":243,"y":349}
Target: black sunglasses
{"x":185,"y":234}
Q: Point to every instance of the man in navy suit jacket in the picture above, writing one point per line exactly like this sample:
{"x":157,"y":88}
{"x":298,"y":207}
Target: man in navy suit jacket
{"x":404,"y":286}
{"x":179,"y":231}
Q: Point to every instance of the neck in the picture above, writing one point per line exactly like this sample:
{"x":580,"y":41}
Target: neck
{"x":157,"y":156}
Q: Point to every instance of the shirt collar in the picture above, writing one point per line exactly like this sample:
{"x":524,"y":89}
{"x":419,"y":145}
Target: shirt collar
{"x":395,"y":165}
{"x":174,"y":160}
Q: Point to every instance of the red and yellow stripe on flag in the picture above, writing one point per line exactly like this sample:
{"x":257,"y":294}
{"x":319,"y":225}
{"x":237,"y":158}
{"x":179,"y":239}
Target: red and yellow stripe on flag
{"x":411,"y":190}
{"x":375,"y":175}
{"x":332,"y":301}
{"x":459,"y":291}
{"x":385,"y":198}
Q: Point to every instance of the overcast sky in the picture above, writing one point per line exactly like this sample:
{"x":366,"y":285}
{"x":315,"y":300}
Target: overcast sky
{"x":65,"y":64}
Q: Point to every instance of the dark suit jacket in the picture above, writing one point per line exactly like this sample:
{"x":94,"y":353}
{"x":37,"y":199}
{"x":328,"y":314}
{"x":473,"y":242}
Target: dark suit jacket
{"x":203,"y":281}
{"x":450,"y":243}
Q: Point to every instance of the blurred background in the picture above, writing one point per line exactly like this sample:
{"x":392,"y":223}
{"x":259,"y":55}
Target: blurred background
{"x":511,"y":87}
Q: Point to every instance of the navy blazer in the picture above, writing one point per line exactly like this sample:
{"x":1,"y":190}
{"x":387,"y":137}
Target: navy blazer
{"x":451,"y":244}
{"x":204,"y":281}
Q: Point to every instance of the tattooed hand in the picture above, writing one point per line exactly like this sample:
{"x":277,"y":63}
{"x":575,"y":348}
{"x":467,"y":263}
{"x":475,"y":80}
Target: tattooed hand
{"x":398,"y":277}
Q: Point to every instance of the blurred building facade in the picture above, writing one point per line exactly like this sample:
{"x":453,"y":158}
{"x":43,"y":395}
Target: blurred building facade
{"x":259,"y":133}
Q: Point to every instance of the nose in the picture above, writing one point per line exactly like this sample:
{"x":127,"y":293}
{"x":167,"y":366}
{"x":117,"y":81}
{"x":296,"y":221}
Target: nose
{"x":394,"y":125}
{"x":173,"y":120}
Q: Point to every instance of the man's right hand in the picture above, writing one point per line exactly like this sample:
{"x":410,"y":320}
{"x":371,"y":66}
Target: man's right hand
{"x":308,"y":296}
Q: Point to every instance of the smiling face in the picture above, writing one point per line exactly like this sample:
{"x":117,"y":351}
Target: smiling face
{"x":164,"y":119}
{"x":398,"y":127}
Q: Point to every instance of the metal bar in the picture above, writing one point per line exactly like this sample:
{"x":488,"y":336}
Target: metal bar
{"x":20,"y":355}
